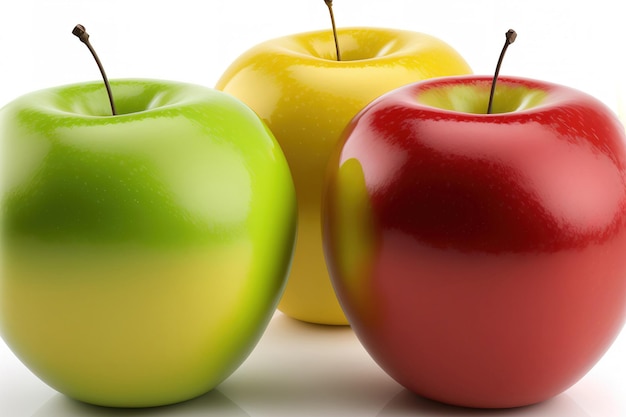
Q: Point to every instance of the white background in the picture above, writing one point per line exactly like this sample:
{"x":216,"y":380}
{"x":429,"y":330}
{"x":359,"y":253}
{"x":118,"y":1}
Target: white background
{"x":299,"y":369}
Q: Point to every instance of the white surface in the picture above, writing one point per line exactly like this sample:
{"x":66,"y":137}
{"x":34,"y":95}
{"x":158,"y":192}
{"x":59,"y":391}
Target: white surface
{"x":299,"y":369}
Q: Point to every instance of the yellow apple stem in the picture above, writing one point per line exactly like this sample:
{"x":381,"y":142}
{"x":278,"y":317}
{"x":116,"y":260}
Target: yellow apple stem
{"x":329,"y":3}
{"x":80,"y":32}
{"x":511,"y":35}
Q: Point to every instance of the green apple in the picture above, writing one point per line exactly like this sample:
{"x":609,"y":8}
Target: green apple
{"x":143,"y":254}
{"x":307,"y":98}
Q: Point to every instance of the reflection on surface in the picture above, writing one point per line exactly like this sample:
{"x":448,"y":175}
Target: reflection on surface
{"x":306,"y":370}
{"x":302,"y":369}
{"x":407,"y":403}
{"x":214,"y":403}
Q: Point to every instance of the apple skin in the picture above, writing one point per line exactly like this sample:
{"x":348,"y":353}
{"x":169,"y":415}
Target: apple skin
{"x":307,"y":98}
{"x":480,"y":259}
{"x":143,"y":254}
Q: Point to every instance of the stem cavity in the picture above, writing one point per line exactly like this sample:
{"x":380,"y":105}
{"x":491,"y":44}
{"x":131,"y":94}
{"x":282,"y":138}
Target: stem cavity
{"x":511,"y":35}
{"x":80,"y":32}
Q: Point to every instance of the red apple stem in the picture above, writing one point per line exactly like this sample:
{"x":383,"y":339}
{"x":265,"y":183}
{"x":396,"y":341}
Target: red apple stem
{"x":80,"y":32}
{"x":329,"y":3}
{"x":511,"y":35}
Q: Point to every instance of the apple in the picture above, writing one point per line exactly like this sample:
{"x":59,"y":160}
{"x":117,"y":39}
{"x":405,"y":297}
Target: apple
{"x":143,"y":254}
{"x":307,"y":97}
{"x":480,"y":258}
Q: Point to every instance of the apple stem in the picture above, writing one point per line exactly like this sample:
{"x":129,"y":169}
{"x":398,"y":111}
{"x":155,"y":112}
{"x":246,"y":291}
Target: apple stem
{"x":511,"y":35}
{"x":80,"y":32}
{"x":329,"y":3}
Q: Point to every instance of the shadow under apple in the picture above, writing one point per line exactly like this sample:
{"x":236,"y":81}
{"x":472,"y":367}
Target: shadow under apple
{"x":213,"y":403}
{"x":408,"y":403}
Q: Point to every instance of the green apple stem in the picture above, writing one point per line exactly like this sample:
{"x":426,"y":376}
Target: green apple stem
{"x":329,"y":3}
{"x":511,"y":35}
{"x":80,"y":32}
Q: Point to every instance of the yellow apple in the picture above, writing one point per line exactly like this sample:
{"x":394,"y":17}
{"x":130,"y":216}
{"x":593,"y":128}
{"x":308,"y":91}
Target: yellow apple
{"x":307,"y":98}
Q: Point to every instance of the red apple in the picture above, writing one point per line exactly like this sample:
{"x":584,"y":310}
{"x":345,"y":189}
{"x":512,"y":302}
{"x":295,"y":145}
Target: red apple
{"x":481,"y":258}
